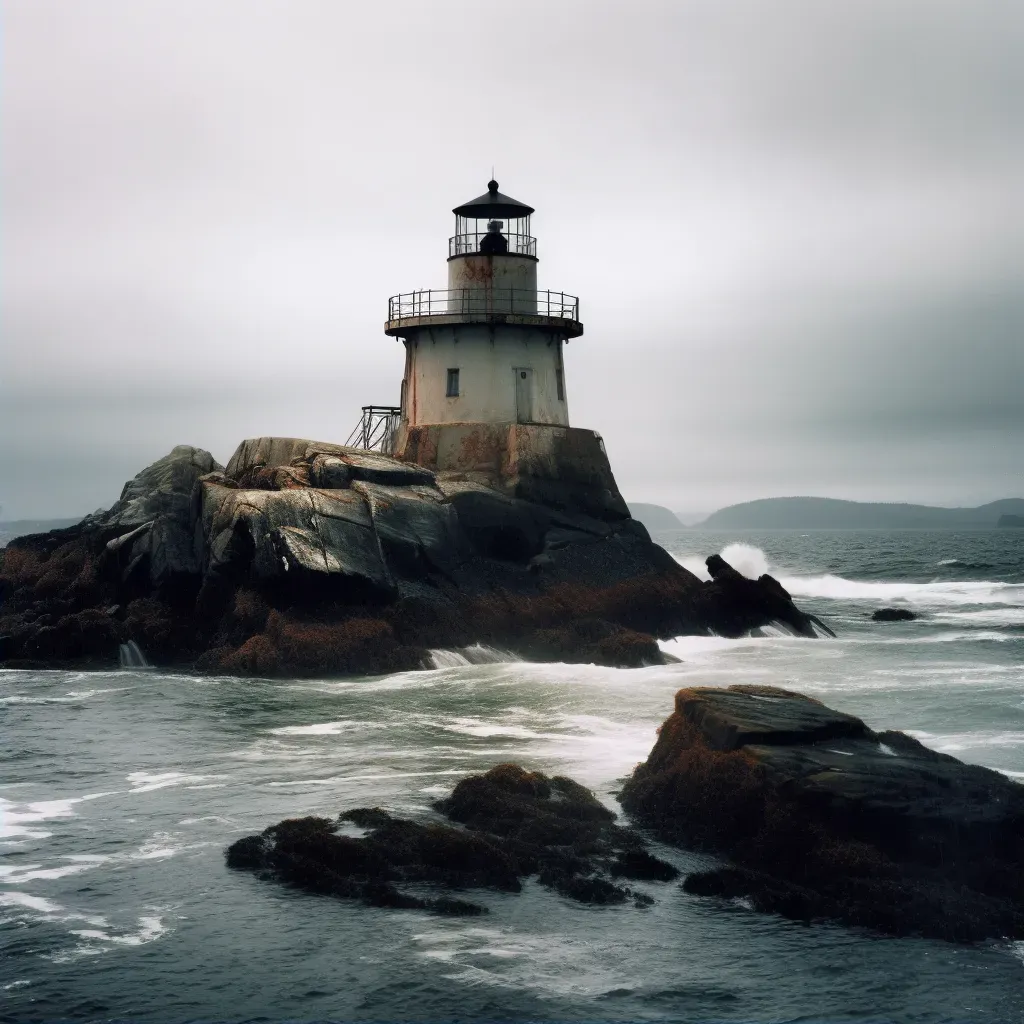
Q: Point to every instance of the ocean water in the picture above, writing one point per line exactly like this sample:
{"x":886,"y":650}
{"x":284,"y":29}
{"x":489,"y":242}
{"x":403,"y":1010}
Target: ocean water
{"x":119,"y":792}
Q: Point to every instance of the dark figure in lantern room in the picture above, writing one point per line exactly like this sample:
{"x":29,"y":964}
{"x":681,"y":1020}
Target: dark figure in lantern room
{"x":494,"y":241}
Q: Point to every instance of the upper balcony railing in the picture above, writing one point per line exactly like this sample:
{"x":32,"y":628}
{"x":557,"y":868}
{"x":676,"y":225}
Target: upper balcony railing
{"x":483,"y":302}
{"x":467,"y":243}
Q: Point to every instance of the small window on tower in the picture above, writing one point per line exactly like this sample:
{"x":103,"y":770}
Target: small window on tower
{"x":453,"y":384}
{"x":560,"y":384}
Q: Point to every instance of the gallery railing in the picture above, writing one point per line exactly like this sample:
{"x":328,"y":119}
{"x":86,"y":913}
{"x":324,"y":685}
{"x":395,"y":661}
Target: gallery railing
{"x":482,"y":302}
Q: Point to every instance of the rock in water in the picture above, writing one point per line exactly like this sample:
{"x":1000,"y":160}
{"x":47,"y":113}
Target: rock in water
{"x":825,"y":819}
{"x":515,"y":823}
{"x":305,"y":558}
{"x":893,"y":615}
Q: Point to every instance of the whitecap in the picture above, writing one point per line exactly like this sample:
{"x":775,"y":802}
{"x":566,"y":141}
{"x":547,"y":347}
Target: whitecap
{"x":147,"y":782}
{"x":478,"y":727}
{"x":934,"y":594}
{"x":985,"y":616}
{"x":29,"y":902}
{"x":15,"y":818}
{"x":150,"y":929}
{"x":11,"y":874}
{"x":690,"y":648}
{"x":746,"y":559}
{"x":322,"y":728}
{"x":948,"y":743}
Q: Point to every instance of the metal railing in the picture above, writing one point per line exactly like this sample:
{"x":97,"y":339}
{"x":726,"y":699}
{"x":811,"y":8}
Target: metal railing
{"x":465,"y":244}
{"x":483,"y":302}
{"x":376,"y":429}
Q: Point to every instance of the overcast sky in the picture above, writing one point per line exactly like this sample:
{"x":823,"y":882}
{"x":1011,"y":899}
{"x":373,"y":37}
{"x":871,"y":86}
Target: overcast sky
{"x":796,"y":230}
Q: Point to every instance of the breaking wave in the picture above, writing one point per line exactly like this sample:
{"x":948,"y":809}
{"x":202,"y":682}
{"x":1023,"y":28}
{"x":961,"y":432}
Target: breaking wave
{"x":935,"y":594}
{"x":939,"y":595}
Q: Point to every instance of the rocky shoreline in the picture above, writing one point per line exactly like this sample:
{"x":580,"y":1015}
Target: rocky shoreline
{"x":302,"y":558}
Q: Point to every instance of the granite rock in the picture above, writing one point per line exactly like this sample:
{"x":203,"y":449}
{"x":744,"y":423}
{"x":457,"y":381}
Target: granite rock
{"x":368,"y":561}
{"x":823,"y":818}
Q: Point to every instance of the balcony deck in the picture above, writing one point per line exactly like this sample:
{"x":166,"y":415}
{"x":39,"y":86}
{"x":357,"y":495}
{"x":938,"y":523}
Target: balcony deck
{"x":557,"y":312}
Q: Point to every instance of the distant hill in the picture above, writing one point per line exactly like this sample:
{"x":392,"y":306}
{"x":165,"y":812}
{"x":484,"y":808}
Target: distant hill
{"x":833,"y":514}
{"x":1010,"y":520}
{"x":20,"y":527}
{"x":655,"y":517}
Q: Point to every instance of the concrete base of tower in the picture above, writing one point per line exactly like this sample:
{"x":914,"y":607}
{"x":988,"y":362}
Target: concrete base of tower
{"x":562,"y":467}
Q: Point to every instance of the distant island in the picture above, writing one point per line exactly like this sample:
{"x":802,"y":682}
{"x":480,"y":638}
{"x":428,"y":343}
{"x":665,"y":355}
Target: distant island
{"x":655,"y":517}
{"x":22,"y":527}
{"x":834,"y":514}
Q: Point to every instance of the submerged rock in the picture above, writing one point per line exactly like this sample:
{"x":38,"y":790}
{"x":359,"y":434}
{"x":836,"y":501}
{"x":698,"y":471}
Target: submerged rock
{"x":825,"y":819}
{"x":306,"y":558}
{"x":893,"y":615}
{"x":511,"y":824}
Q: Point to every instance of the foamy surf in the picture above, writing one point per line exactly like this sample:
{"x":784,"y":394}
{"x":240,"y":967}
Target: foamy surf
{"x":936,"y":594}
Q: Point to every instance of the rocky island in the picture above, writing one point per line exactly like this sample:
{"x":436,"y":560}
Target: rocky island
{"x":308,"y":558}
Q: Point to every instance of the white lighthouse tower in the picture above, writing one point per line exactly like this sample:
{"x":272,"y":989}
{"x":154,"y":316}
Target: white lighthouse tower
{"x":484,"y":393}
{"x":488,"y":348}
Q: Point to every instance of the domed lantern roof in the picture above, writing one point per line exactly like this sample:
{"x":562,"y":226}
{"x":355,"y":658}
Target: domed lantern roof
{"x":492,"y":204}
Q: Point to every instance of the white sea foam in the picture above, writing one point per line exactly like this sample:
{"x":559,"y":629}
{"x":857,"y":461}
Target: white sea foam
{"x":484,"y":729}
{"x":321,"y":728}
{"x":549,"y":963}
{"x":29,"y":902}
{"x":985,"y":616}
{"x":150,"y":929}
{"x":147,"y":782}
{"x":702,"y":648}
{"x":16,"y":818}
{"x":746,"y":559}
{"x":334,"y":780}
{"x":950,"y":743}
{"x":752,"y":562}
{"x":16,"y":874}
{"x":934,"y":594}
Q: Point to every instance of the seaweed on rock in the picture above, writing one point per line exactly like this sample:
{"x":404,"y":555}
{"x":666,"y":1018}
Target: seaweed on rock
{"x":509,"y":824}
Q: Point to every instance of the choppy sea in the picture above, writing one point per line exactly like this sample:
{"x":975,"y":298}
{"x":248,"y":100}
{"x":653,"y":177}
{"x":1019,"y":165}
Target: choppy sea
{"x":119,"y":792}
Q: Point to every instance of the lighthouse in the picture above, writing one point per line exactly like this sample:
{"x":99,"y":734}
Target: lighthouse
{"x":489,"y":347}
{"x":484,"y":394}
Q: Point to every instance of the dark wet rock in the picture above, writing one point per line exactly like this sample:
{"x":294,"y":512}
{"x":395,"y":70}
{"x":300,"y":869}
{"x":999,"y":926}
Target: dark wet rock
{"x":893,"y":615}
{"x":510,"y":824}
{"x":738,"y":604}
{"x":823,"y":818}
{"x":361,"y":563}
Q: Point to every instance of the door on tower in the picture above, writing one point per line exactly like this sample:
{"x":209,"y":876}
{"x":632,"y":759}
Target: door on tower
{"x":524,"y":394}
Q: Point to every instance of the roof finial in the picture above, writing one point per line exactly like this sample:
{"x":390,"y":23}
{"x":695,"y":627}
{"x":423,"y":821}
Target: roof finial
{"x":492,"y":185}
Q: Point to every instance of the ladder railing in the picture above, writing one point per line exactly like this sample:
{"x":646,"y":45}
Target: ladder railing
{"x":376,"y":429}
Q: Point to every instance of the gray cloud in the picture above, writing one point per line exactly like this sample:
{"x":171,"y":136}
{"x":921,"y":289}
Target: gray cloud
{"x":797,"y":229}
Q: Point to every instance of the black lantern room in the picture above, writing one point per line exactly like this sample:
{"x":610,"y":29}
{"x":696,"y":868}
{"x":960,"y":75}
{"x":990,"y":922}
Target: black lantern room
{"x":493,"y":224}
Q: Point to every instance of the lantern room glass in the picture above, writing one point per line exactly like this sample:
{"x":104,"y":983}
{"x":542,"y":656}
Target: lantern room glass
{"x":492,"y":235}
